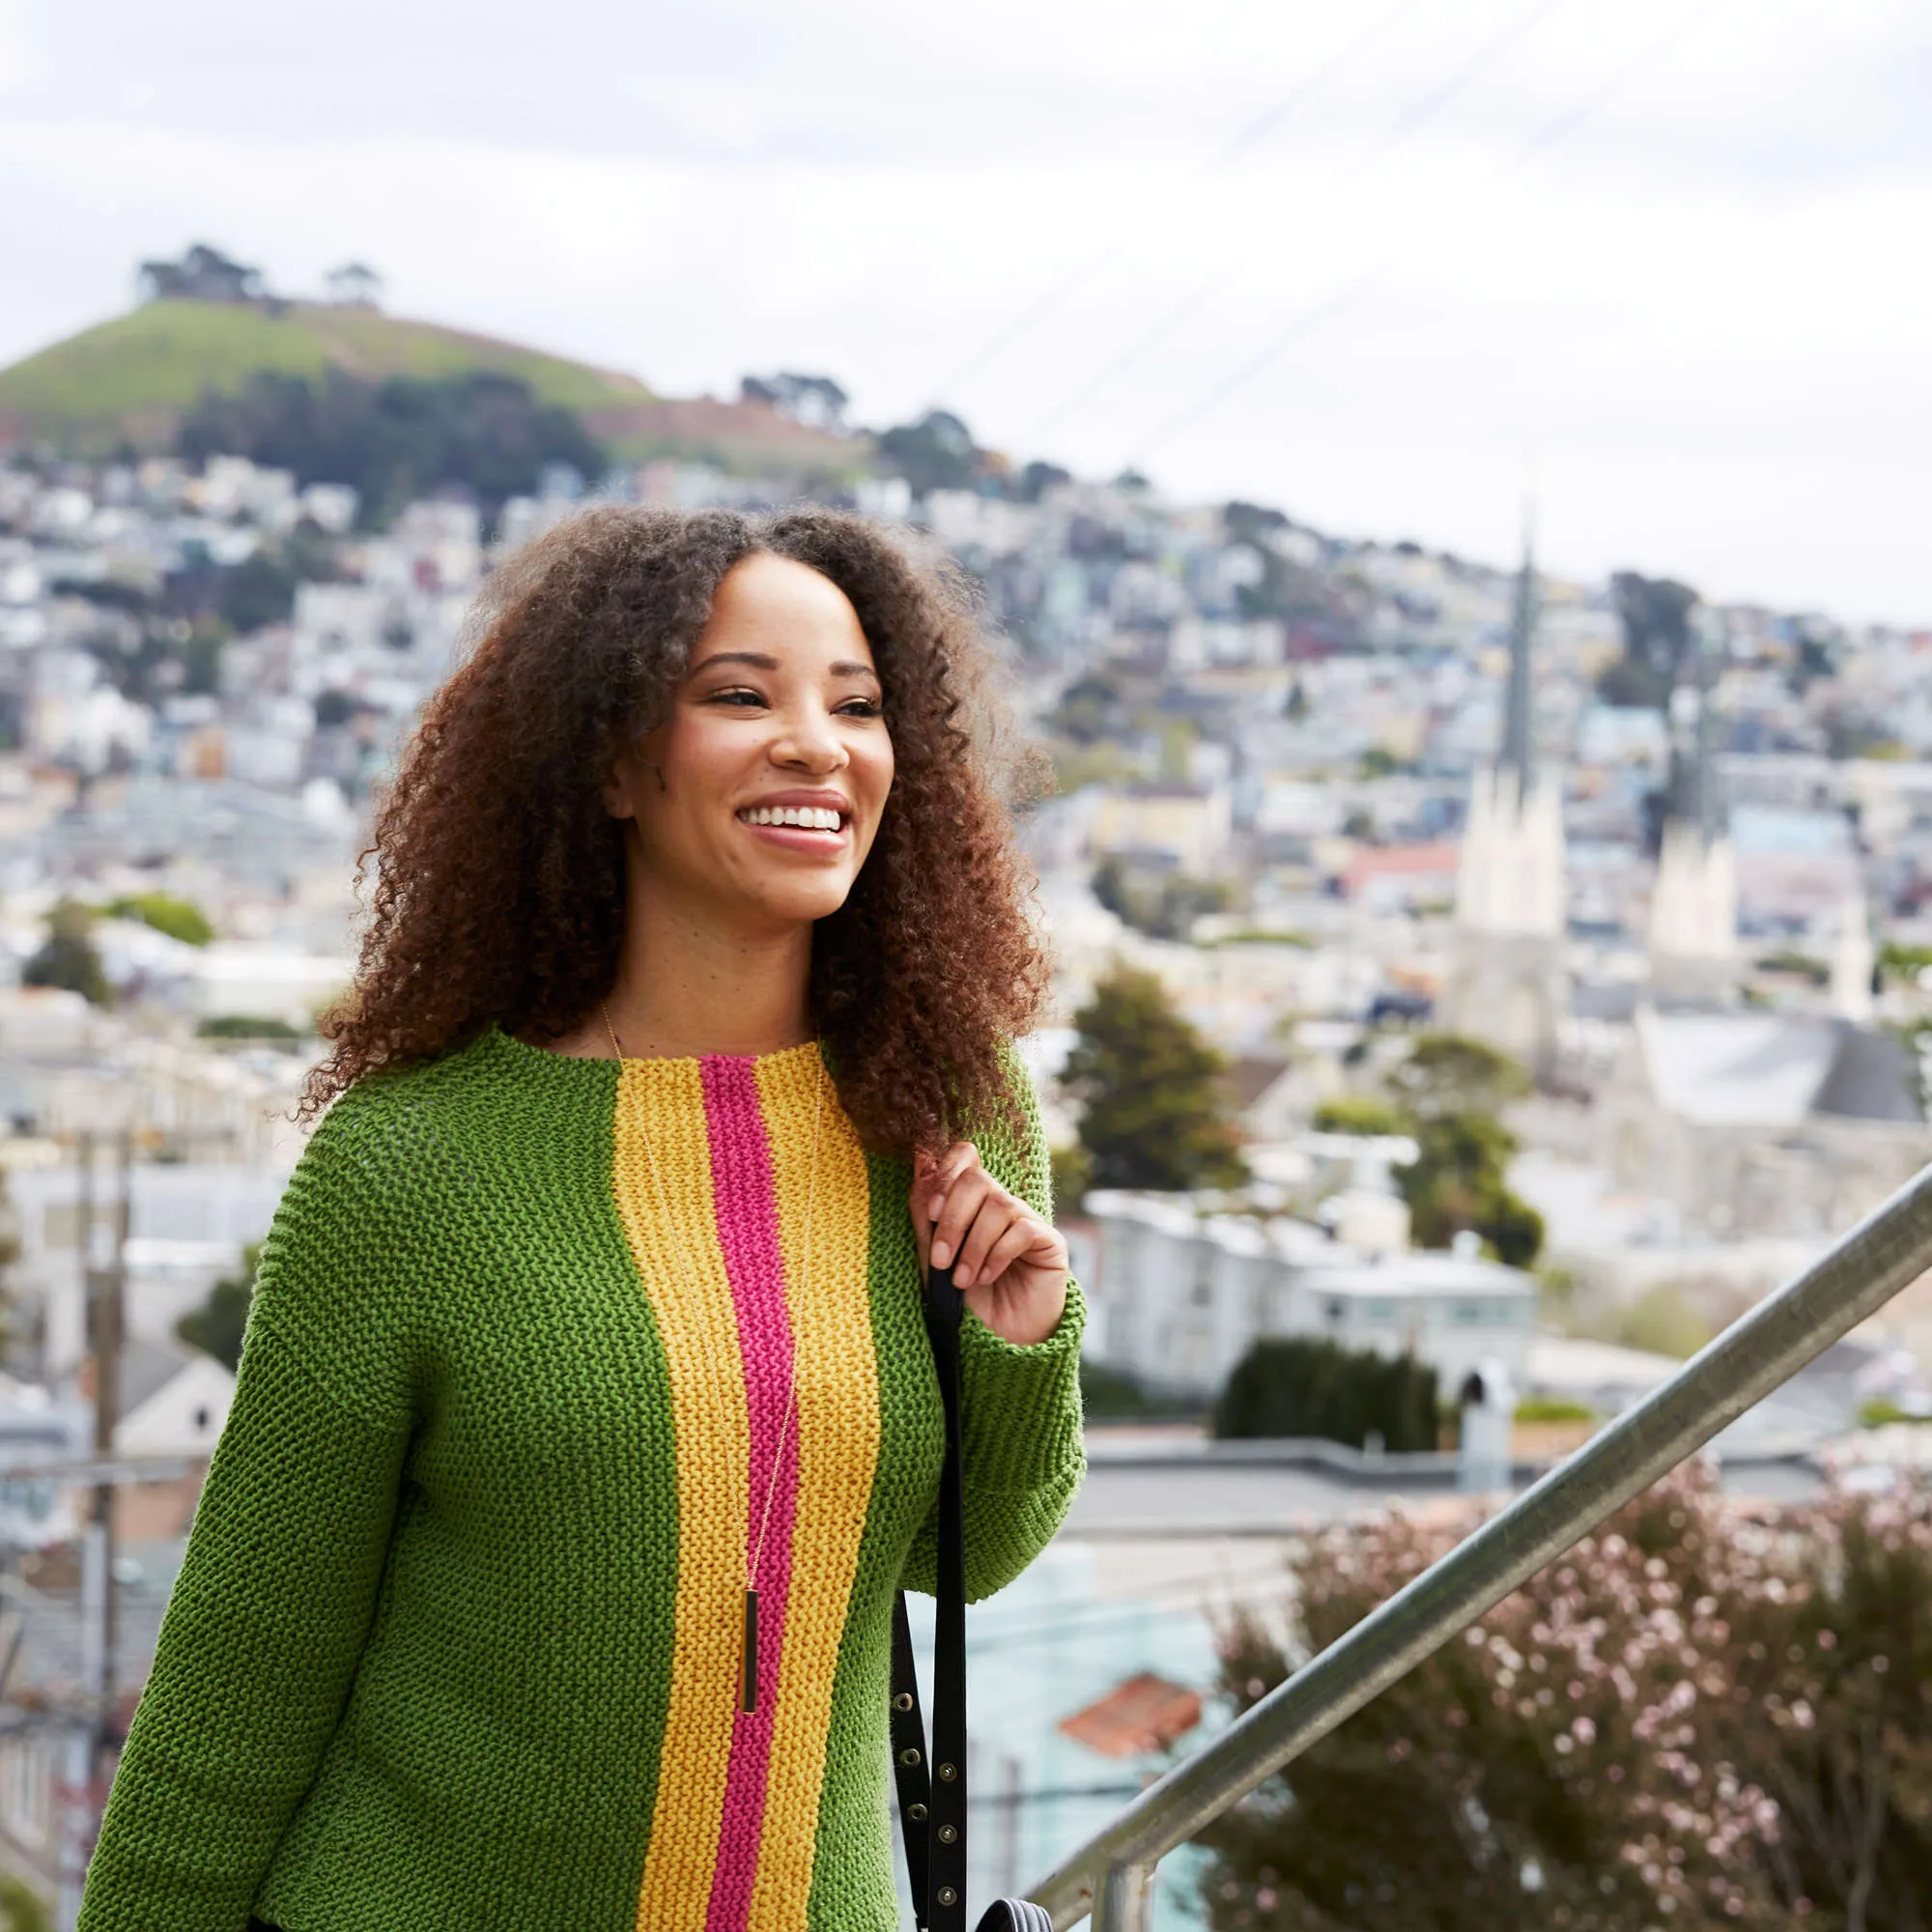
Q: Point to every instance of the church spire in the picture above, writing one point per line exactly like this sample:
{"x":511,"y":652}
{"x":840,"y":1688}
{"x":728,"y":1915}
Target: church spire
{"x":1693,"y":908}
{"x":1694,"y":799}
{"x":1515,"y":757}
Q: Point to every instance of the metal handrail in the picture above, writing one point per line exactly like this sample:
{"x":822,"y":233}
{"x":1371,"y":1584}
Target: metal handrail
{"x":1112,"y":1874}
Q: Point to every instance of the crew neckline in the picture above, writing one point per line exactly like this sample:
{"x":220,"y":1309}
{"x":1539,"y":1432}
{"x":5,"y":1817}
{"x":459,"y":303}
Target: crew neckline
{"x":543,"y":1056}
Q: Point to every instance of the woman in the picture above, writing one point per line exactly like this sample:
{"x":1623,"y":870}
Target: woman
{"x":591,"y":1311}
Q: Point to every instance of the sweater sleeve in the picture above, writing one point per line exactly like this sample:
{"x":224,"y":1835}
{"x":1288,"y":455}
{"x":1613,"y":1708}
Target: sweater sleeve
{"x":1025,"y":1453}
{"x":277,"y":1592}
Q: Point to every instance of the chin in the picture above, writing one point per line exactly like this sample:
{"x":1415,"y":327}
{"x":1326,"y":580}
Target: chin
{"x":794,"y":902}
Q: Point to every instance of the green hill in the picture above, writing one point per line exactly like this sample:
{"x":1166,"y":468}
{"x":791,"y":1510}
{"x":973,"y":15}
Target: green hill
{"x":129,"y":380}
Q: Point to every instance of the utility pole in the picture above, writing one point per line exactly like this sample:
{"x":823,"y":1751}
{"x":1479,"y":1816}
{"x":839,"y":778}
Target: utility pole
{"x":89,"y":1746}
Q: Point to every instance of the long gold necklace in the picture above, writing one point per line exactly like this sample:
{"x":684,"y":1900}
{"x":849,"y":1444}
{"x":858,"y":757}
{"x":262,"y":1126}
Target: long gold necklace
{"x":747,"y":1675}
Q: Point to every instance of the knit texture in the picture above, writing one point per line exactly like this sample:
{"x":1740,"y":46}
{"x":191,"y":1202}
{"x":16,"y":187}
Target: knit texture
{"x":457,"y":1639}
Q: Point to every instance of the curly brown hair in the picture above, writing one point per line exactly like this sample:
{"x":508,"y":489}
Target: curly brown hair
{"x":498,"y":893}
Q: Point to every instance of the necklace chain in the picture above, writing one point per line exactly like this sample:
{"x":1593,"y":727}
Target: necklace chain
{"x":756,"y":1560}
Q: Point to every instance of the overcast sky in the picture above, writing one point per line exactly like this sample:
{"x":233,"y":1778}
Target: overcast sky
{"x":1377,"y":263}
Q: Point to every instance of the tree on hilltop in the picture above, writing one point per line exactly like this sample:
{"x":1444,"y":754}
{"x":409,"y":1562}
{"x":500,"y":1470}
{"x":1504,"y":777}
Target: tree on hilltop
{"x":202,"y":274}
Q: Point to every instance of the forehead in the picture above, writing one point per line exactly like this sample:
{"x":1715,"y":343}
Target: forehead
{"x":785,"y":611}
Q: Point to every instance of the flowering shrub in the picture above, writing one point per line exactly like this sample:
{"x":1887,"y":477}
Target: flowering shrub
{"x":1702,"y":1716}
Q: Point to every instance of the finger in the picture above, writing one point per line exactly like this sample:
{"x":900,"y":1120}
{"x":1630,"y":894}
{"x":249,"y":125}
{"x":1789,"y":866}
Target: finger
{"x":962,"y":1204}
{"x":1011,"y":1246}
{"x":997,"y":1214}
{"x":961,"y":1158}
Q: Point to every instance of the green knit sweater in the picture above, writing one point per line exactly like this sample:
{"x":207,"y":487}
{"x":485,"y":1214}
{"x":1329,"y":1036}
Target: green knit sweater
{"x":544,"y":1355}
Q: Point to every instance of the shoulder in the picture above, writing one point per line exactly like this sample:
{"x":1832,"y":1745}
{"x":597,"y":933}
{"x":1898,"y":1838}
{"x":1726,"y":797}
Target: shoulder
{"x":432,"y":1103}
{"x":386,"y":1176}
{"x":391,"y":1134}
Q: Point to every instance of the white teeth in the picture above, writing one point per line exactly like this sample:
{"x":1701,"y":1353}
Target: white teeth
{"x":807,"y":817}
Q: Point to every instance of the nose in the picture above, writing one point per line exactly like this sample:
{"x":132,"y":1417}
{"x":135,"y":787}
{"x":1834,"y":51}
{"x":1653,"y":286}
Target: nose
{"x":809,"y":743}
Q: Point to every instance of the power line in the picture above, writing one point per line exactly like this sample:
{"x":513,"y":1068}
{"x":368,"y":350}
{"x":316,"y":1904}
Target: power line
{"x":1545,"y":138}
{"x":1409,"y":122}
{"x":1020,"y":326}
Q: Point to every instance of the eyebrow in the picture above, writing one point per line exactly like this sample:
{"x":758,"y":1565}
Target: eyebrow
{"x":762,"y":661}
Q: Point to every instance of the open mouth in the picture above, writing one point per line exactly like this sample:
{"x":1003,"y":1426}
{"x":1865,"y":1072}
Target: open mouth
{"x":797,"y":817}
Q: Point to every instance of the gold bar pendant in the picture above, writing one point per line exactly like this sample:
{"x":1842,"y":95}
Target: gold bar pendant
{"x":747,"y":1693}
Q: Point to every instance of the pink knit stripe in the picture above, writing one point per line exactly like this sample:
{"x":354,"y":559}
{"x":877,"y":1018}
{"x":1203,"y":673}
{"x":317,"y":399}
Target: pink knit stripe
{"x":747,"y":1232}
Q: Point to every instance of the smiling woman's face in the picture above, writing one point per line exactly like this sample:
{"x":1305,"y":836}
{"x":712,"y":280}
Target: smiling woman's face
{"x":757,"y":800}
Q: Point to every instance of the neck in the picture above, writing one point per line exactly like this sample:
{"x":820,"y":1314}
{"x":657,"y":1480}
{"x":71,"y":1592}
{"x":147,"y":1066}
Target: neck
{"x":687,"y":987}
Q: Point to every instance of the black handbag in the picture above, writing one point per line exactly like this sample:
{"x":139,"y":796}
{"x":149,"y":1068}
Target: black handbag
{"x":932,"y":1785}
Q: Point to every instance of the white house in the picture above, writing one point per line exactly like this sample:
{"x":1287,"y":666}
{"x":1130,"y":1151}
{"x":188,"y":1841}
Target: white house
{"x":174,"y":1403}
{"x":1185,"y":1292}
{"x":188,"y":1224}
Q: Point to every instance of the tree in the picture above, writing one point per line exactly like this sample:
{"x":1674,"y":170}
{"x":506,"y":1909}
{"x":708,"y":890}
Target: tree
{"x":1360,"y":1114}
{"x":1251,"y":523}
{"x":1656,"y":618}
{"x":218,"y":1325}
{"x":257,"y":592}
{"x":1164,"y":905}
{"x":246,"y":1026}
{"x":1306,"y":1385}
{"x":818,"y":401}
{"x":202,"y":274}
{"x":1037,"y":478}
{"x":1448,"y":1073}
{"x":395,"y":439}
{"x":1114,"y":1396}
{"x":1446,"y":1094}
{"x":937,"y":452}
{"x":1072,"y":1173}
{"x":1092,"y":709}
{"x":1456,"y":1185}
{"x":21,"y":1908}
{"x":1154,"y":1116}
{"x":67,"y":958}
{"x":1697,"y":1718}
{"x":180,"y":919}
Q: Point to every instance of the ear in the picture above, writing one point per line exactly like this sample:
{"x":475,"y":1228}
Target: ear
{"x":619,"y":798}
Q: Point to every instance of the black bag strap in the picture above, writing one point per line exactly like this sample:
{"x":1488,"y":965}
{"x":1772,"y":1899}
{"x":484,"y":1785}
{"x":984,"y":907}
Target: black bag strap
{"x":934,"y":1793}
{"x":932,"y":1797}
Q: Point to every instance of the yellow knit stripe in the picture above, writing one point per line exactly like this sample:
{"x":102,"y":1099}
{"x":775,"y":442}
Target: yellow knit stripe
{"x":836,"y":1421}
{"x":673,"y":1239}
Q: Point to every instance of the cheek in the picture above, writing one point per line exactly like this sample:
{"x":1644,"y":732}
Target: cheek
{"x":877,"y":765}
{"x":702,"y":762}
